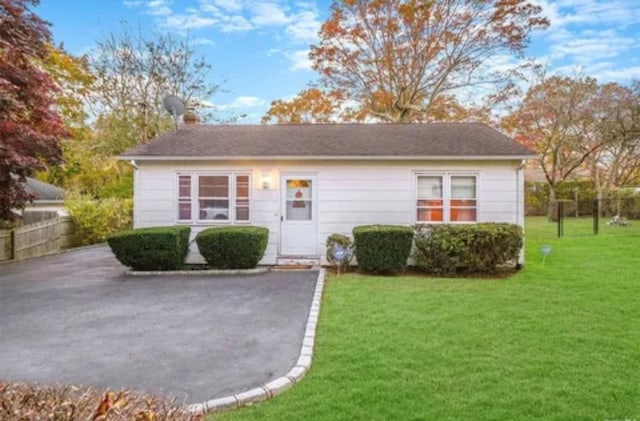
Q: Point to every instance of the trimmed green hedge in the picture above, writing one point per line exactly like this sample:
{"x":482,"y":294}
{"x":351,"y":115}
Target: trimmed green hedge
{"x":233,"y":247}
{"x":483,"y":247}
{"x":157,"y":248}
{"x":382,"y":248}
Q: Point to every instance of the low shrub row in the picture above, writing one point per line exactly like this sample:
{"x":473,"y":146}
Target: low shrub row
{"x":165,"y":248}
{"x":438,"y":249}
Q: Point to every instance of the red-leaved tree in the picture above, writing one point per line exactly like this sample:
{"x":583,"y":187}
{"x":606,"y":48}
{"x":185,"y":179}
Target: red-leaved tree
{"x":30,"y":126}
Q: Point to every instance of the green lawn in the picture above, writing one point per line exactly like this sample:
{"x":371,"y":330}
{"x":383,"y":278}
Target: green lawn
{"x":559,"y":341}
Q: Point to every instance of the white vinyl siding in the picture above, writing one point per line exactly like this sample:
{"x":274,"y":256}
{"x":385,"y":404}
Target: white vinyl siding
{"x":348,"y":193}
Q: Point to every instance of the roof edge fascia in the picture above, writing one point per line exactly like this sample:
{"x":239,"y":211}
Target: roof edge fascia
{"x":326,"y":157}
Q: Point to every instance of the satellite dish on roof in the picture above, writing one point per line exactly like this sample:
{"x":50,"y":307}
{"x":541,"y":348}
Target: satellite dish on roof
{"x":174,"y":106}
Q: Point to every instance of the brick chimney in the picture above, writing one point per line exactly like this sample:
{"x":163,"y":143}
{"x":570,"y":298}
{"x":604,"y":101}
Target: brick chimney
{"x":190,"y":117}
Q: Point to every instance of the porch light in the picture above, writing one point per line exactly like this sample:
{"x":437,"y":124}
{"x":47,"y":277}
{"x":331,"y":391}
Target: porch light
{"x":266,"y":180}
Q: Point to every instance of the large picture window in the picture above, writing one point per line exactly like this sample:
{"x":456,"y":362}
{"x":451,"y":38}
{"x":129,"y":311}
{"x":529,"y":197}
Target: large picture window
{"x":446,"y":198}
{"x":214,"y":198}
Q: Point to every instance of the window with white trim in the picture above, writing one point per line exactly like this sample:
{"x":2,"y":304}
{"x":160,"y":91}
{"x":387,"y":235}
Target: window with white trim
{"x":214,"y":197}
{"x":446,"y":198}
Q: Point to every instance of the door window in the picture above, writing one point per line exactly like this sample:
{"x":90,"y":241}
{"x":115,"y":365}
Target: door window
{"x":298,"y":200}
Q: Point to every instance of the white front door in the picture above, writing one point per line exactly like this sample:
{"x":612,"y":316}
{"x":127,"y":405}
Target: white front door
{"x":299,"y":219}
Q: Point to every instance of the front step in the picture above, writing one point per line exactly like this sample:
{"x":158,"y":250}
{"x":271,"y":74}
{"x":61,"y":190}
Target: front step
{"x":297,"y":261}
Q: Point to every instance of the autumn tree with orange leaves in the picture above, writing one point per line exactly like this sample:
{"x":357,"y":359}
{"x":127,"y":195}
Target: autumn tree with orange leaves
{"x":558,"y":119}
{"x":617,"y":163}
{"x":309,"y":106}
{"x":403,"y":60}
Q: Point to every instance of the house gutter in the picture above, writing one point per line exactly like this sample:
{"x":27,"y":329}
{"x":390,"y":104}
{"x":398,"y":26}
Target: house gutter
{"x":519,"y":202}
{"x":133,"y":158}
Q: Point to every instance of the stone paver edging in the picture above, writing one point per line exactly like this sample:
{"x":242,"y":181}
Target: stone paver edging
{"x":200,"y":272}
{"x":197,"y":272}
{"x":279,"y":385}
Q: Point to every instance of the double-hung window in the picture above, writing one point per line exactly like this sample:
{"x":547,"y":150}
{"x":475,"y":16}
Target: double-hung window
{"x":463,"y":200}
{"x":184,"y":198}
{"x":211,"y":198}
{"x":446,"y":198}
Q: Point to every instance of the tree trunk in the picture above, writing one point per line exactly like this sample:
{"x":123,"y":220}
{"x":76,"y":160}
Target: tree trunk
{"x":552,"y":205}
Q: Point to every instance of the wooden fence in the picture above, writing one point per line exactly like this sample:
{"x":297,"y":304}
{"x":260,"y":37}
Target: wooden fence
{"x":37,"y":239}
{"x":6,"y":245}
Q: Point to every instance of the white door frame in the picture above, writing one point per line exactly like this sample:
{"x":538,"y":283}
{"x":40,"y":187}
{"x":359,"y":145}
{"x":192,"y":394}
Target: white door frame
{"x":310,"y":248}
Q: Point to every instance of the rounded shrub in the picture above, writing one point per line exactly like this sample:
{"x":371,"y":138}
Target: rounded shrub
{"x":477,"y":248}
{"x":233,"y":247}
{"x":156,"y":248}
{"x":382,"y":248}
{"x":343,"y":241}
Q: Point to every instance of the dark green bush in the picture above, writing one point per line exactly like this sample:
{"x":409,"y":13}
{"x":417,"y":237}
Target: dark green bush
{"x":234,"y":247}
{"x":382,"y":248}
{"x":157,"y":248}
{"x":484,"y":247}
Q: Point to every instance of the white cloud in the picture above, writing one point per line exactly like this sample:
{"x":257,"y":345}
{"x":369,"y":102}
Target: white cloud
{"x":203,"y":41}
{"x":132,"y":3}
{"x":229,"y":5}
{"x":305,"y":27}
{"x":618,"y":74}
{"x":269,"y":14}
{"x":501,"y":63}
{"x":591,"y":34}
{"x":241,"y":102}
{"x":586,"y":50}
{"x":297,"y":26}
{"x":159,"y":8}
{"x":300,"y":59}
{"x":565,"y":13}
{"x":247,"y":101}
{"x":186,"y":22}
{"x":235,"y":24}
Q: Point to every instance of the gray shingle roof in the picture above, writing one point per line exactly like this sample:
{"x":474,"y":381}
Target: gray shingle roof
{"x":43,"y":191}
{"x":331,"y":140}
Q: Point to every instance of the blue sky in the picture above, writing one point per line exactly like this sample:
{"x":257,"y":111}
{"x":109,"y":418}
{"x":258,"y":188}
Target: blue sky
{"x":260,"y":47}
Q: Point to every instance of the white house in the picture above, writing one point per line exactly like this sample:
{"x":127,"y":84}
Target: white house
{"x":305,"y":182}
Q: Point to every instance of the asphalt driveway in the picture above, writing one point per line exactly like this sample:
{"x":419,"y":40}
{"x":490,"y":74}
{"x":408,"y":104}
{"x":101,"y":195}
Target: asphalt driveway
{"x":76,"y":318}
